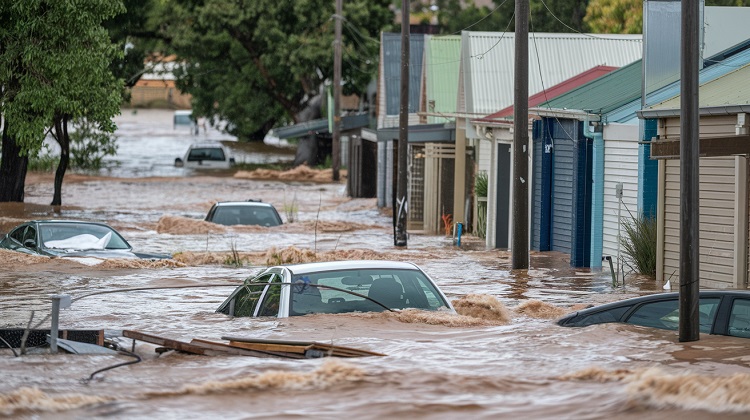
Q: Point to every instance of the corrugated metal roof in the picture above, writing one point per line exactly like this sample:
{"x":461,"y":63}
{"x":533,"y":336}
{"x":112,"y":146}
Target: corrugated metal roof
{"x":730,"y":89}
{"x":738,"y":56}
{"x":392,"y":71}
{"x":442,"y":61}
{"x":665,"y":94}
{"x":553,"y":58}
{"x":554,"y":91}
{"x":604,"y":94}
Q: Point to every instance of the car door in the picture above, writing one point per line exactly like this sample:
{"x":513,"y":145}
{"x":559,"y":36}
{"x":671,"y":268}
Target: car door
{"x":738,"y":324}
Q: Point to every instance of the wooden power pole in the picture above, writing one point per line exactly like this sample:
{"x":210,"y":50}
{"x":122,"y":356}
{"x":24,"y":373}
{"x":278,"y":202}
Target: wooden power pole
{"x":520,"y":240}
{"x":689,"y":180}
{"x":400,"y":205}
{"x":336,"y":141}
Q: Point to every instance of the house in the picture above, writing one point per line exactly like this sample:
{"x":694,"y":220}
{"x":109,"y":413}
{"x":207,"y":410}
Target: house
{"x":497,"y":129}
{"x":487,"y":84}
{"x":723,"y":181}
{"x":387,"y":103}
{"x":575,"y":183}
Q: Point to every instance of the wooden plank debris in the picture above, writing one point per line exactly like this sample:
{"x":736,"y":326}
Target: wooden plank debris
{"x":298,"y":346}
{"x":252,"y":347}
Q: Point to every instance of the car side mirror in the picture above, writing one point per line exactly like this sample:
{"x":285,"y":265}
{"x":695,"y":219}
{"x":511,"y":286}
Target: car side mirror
{"x":178,"y":162}
{"x":29,"y":243}
{"x":231,"y":161}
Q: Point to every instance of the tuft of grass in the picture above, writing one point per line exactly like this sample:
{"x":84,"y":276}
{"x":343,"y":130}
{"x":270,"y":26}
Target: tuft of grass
{"x":480,"y":184}
{"x":291,"y":210}
{"x":234,"y":259}
{"x":482,"y":219}
{"x":639,"y":244}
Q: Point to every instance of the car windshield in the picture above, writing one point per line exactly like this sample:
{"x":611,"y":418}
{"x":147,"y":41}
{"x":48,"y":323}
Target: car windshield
{"x":206,"y":153}
{"x":355,"y":290}
{"x":245,"y":215}
{"x":80,"y":236}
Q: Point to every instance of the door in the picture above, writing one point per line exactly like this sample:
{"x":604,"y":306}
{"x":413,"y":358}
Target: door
{"x":502,"y":213}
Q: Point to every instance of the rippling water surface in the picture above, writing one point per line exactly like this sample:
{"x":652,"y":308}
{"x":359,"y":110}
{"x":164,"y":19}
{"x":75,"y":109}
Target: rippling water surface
{"x":442,"y":366}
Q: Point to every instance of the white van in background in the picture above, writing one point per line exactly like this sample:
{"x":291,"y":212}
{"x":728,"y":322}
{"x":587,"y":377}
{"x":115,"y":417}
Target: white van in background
{"x":213,"y":155}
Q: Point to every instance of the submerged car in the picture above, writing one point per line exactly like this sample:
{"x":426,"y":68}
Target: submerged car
{"x":335,"y":287}
{"x":71,"y":238}
{"x":249,"y":212}
{"x":212,"y":155}
{"x":722,"y":312}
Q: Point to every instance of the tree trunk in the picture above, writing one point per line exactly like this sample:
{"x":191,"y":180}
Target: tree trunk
{"x":61,"y":135}
{"x":307,"y":151}
{"x":13,"y":168}
{"x":307,"y":148}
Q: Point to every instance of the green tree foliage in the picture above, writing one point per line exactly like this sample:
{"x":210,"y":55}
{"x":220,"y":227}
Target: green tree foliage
{"x":54,"y":68}
{"x":89,"y":145}
{"x":615,"y":16}
{"x":257,"y":63}
{"x":457,"y":15}
{"x":626,"y":16}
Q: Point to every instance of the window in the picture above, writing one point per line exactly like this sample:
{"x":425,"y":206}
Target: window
{"x":666,"y":314}
{"x":357,"y":290}
{"x":271,"y":298}
{"x":243,"y":301}
{"x":18,"y":234}
{"x":206,"y":153}
{"x":739,"y":319}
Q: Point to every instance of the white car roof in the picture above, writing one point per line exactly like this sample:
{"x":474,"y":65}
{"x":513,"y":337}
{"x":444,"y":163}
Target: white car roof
{"x":242,"y":203}
{"x":348,"y":265}
{"x":206,"y":145}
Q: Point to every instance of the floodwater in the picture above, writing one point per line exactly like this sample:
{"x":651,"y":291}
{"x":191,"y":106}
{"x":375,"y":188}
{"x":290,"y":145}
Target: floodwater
{"x":501,"y":357}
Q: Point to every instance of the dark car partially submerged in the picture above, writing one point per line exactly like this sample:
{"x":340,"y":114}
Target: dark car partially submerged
{"x":722,"y":312}
{"x":251,"y":212}
{"x":71,"y":238}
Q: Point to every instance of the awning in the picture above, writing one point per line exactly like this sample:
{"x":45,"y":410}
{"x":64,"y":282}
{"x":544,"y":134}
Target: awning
{"x":348,"y":122}
{"x":422,"y":133}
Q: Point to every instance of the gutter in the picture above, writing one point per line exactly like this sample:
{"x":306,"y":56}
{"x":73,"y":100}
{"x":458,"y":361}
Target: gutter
{"x":577,"y":114}
{"x":645,"y":114}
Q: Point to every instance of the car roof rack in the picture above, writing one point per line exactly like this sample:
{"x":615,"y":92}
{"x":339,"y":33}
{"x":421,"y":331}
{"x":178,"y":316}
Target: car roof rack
{"x":254,"y":200}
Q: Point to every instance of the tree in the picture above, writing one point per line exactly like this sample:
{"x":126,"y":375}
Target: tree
{"x":457,"y":15}
{"x":615,"y":16}
{"x":54,"y":65}
{"x":626,"y":16}
{"x":257,"y":63}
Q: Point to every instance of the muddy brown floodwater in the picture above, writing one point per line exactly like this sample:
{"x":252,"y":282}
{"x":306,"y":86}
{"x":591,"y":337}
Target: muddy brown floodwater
{"x":502,"y":356}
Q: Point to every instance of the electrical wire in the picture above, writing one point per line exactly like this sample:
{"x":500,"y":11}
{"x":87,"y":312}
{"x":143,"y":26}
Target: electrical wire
{"x":125,"y":352}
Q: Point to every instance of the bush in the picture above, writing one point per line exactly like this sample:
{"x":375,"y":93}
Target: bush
{"x":639,"y":244}
{"x":480,"y":184}
{"x":89,"y":145}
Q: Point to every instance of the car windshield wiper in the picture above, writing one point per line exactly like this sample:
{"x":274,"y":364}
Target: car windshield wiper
{"x":320,"y":286}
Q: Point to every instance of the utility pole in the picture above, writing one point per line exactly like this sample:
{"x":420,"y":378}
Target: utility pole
{"x":336,"y":141}
{"x":689,"y":179}
{"x":520,"y":240}
{"x":400,"y":205}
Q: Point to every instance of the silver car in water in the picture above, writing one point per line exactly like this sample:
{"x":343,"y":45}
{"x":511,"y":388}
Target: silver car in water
{"x":335,"y":287}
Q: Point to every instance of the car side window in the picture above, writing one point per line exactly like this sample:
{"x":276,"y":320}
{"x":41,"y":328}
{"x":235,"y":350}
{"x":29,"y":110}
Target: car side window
{"x":18,"y":234}
{"x":271,"y":299}
{"x":739,"y":319}
{"x":29,"y":234}
{"x":247,"y":298}
{"x":666,"y":314}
